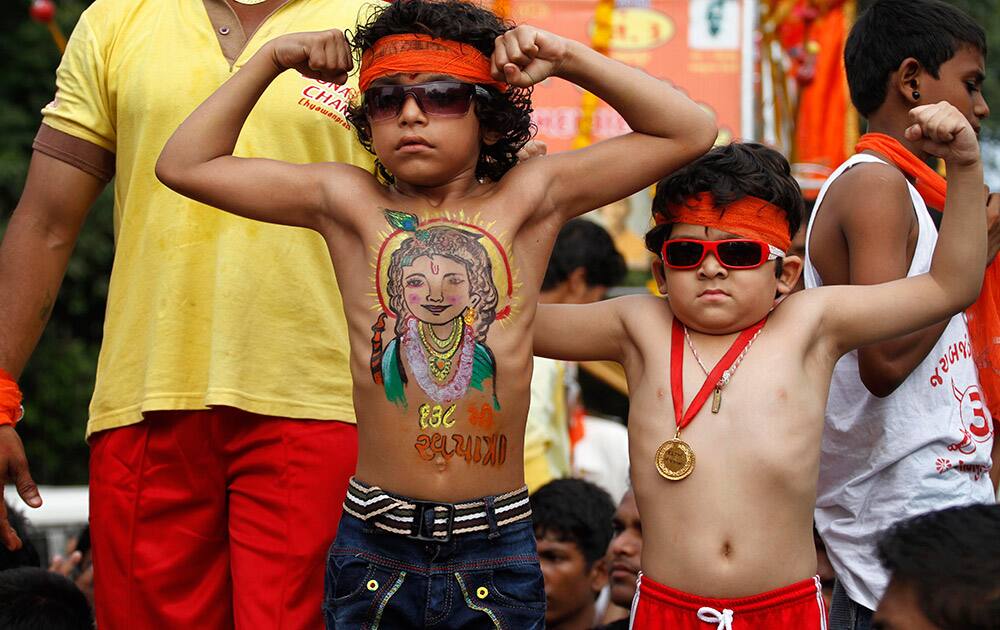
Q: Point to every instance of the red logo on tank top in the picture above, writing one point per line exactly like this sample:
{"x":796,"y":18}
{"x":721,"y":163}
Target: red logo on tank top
{"x":977,"y":427}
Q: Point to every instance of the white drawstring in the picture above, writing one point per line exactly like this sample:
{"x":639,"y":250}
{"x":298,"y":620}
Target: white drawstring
{"x":711,"y":615}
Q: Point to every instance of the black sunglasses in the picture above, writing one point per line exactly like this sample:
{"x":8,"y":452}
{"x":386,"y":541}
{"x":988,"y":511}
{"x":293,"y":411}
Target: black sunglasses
{"x":436,"y":98}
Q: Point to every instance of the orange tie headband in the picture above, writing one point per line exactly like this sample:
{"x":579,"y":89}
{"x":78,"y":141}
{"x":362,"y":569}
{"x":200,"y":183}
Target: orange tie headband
{"x":412,"y":53}
{"x":748,"y":217}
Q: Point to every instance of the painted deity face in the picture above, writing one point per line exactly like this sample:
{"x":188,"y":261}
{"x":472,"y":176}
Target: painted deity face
{"x":436,"y":289}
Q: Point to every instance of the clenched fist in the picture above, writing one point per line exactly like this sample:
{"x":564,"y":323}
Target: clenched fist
{"x":322,"y":55}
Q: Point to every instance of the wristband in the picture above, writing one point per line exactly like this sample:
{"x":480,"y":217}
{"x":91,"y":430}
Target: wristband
{"x":11,"y":410}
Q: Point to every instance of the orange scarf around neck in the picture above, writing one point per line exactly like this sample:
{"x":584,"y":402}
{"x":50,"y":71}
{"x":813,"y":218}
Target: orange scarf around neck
{"x":984,"y":315}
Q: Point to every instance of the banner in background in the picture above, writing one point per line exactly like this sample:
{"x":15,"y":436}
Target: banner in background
{"x":696,"y":45}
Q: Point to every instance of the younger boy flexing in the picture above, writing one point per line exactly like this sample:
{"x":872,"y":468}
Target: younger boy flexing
{"x":907,"y":426}
{"x":440,"y":270}
{"x":726,"y":489}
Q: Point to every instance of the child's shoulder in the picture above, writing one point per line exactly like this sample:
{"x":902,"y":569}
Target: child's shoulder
{"x":643,"y":309}
{"x":871,"y":187}
{"x":870,"y":178}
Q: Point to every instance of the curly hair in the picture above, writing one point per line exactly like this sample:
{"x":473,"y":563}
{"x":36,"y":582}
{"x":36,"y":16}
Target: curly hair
{"x":457,"y":245}
{"x":506,"y":114}
{"x":730,"y":172}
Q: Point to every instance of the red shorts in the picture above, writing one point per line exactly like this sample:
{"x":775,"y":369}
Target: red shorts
{"x":216,"y":519}
{"x":798,"y":606}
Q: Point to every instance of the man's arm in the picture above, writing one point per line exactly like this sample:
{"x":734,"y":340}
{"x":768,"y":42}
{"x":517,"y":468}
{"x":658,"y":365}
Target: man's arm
{"x":33,"y":257}
{"x":854,"y":316}
{"x":198,"y":160}
{"x":669,"y":129}
{"x":872,"y":208}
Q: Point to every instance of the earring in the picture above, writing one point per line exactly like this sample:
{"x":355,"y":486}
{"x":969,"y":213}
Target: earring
{"x":469,"y":316}
{"x":916,"y":95}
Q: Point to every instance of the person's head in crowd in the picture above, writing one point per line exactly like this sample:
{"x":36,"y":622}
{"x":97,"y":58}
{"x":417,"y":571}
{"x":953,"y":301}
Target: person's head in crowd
{"x":625,"y":551}
{"x":32,"y":598}
{"x":944,"y":570}
{"x":572,"y":520}
{"x":27,"y":555}
{"x":584,"y":264}
{"x":905,"y":53}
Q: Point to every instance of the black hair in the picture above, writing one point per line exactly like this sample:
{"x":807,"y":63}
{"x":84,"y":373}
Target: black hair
{"x":730,"y":172}
{"x":951,"y":558}
{"x":506,"y":114}
{"x":574,"y":511}
{"x":583,"y":243}
{"x":32,"y":598}
{"x":27,"y":555}
{"x":890,"y":31}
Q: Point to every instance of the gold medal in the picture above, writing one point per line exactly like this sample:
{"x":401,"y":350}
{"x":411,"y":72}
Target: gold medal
{"x":674,"y":459}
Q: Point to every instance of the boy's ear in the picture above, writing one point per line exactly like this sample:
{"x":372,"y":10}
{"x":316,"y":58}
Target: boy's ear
{"x":659,"y":275}
{"x":598,"y":575}
{"x":791,"y":269}
{"x":489,"y":138}
{"x":908,"y":77}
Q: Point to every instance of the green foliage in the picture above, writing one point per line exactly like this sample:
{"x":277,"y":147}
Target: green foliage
{"x":59,"y":379}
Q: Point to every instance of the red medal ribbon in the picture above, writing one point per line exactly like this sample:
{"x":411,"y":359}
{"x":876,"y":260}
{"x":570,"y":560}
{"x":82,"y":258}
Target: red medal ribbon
{"x":677,"y":371}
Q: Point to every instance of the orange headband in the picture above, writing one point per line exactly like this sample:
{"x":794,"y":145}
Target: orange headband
{"x":748,"y":217}
{"x":412,"y":53}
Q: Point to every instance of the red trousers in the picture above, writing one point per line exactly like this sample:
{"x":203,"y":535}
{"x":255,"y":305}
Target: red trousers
{"x":795,"y":607}
{"x":216,"y":519}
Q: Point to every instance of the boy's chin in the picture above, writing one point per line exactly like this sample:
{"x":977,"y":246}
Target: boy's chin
{"x":716,"y":322}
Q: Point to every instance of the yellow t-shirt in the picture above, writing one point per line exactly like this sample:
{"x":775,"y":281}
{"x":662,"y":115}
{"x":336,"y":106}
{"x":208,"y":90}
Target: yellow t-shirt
{"x":546,"y":434}
{"x":207,"y":308}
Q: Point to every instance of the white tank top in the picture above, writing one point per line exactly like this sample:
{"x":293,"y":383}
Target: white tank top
{"x":924,"y":447}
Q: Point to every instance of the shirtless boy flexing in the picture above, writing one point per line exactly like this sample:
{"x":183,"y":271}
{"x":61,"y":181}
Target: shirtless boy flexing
{"x":439,"y":261}
{"x":724,"y":467}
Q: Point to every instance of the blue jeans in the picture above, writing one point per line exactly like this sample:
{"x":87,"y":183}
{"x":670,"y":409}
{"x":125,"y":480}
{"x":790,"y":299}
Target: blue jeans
{"x":376,"y":579}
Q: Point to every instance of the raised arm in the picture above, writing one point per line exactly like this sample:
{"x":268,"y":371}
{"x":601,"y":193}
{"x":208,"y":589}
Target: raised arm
{"x":33,"y":256}
{"x":855,"y":316}
{"x":198,"y":159}
{"x":582,"y":332}
{"x":875,"y":227}
{"x":669,"y":129}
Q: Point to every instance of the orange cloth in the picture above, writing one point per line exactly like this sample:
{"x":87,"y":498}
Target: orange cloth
{"x":824,"y":117}
{"x":984,"y":315}
{"x":931,"y":186}
{"x":749,"y":217}
{"x":412,"y":53}
{"x":10,"y":400}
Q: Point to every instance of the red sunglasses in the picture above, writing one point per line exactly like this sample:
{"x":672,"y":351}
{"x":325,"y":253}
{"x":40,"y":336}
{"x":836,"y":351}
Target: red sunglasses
{"x":435,"y":98}
{"x":734,"y":253}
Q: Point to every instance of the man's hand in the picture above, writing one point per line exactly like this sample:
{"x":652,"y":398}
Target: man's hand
{"x":14,"y":467}
{"x":943,"y":131}
{"x":322,"y":55}
{"x":525,"y":55}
